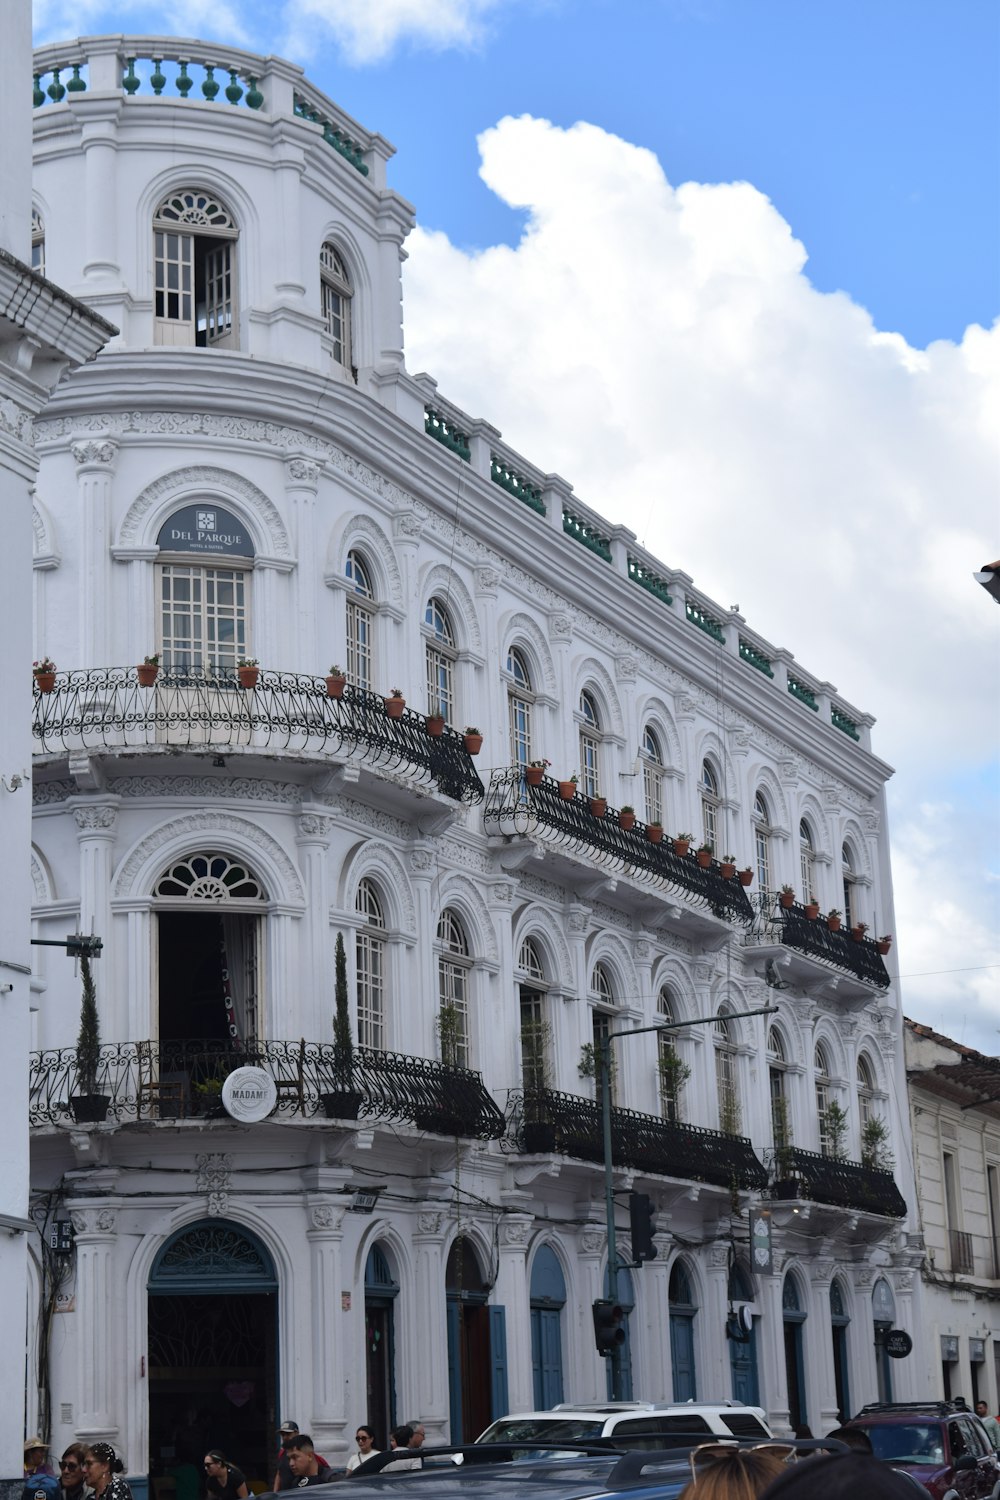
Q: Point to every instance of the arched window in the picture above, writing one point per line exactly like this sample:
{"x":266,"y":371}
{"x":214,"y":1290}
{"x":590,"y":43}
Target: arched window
{"x":652,"y":775}
{"x":602,"y":1016}
{"x":709,"y":789}
{"x":370,"y":956}
{"x":535,"y":1030}
{"x":824,"y":1098}
{"x":440,"y":660}
{"x":37,"y":242}
{"x":672,"y":1071}
{"x":866,"y":1091}
{"x":454,"y":965}
{"x":335,"y":293}
{"x":850,"y":879}
{"x":204,"y":571}
{"x":194,"y":241}
{"x":777,"y":1064}
{"x":360,"y":621}
{"x":762,"y":841}
{"x":520,"y":698}
{"x":807,"y":862}
{"x":683,"y":1312}
{"x":590,"y":746}
{"x":726,"y":1079}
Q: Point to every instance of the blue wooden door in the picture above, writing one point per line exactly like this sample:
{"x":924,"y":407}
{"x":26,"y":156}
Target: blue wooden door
{"x":743,"y":1367}
{"x":682,"y":1357}
{"x":546,"y":1357}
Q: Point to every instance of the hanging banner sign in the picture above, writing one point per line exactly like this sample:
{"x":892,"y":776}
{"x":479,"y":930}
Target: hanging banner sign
{"x":897,"y":1343}
{"x":761,"y":1254}
{"x":249,"y":1094}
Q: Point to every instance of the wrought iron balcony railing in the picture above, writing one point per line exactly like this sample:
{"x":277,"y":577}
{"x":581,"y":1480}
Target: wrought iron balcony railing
{"x":812,"y":935}
{"x":159,"y":1080}
{"x":105,"y":708}
{"x":963,"y":1260}
{"x":545,"y":1120}
{"x":514,"y":807}
{"x":844,"y":1184}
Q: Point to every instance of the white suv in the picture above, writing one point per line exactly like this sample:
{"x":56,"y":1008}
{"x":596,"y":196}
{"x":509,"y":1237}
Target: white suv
{"x":633,"y":1424}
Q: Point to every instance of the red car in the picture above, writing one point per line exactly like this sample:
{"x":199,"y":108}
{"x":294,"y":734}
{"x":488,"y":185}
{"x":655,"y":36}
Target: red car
{"x":942,"y":1445}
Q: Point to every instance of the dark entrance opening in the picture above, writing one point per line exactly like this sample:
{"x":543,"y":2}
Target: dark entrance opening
{"x":381,"y":1291}
{"x":198,"y":950}
{"x":212,"y":1362}
{"x":469,"y":1358}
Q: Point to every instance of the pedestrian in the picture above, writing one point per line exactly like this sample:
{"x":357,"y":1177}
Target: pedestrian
{"x":306,"y":1465}
{"x":417,"y":1439}
{"x":365,"y":1439}
{"x":103,"y":1470}
{"x":282,"y":1472}
{"x":990,"y":1423}
{"x":720,"y":1471}
{"x":400,"y":1438}
{"x":72,"y":1485}
{"x":846,"y":1476}
{"x":223,"y":1479}
{"x":36,"y":1459}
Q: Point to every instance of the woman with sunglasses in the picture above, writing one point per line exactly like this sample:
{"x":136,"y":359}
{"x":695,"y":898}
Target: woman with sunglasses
{"x":102,"y":1469}
{"x":222,"y":1479}
{"x":720,"y":1471}
{"x":365,"y":1438}
{"x":72,"y":1485}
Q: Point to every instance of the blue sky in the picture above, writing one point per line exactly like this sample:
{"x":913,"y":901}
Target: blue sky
{"x":774,"y":227}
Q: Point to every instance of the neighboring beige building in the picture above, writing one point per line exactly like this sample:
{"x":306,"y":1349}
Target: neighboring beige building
{"x":955,"y":1108}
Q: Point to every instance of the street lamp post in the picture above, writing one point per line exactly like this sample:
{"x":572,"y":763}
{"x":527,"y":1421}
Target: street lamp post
{"x":604,"y":1077}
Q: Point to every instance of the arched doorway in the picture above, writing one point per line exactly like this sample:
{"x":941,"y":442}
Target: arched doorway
{"x":795,"y":1375}
{"x":626,"y":1300}
{"x":683,"y":1311}
{"x":884,"y":1315}
{"x":548,"y":1298}
{"x":743,"y":1340}
{"x":477,"y":1347}
{"x":212,"y":1362}
{"x":839,"y":1321}
{"x":381,"y":1291}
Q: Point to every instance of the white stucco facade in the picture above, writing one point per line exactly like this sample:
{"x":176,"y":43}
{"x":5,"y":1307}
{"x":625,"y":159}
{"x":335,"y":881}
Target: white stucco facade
{"x":358,"y":519}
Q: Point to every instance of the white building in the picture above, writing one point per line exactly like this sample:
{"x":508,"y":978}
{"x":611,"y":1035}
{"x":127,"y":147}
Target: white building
{"x":955,"y":1113}
{"x":250,"y":471}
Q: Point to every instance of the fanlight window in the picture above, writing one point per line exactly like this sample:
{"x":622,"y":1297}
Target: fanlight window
{"x":209,"y":877}
{"x":652,"y":776}
{"x":850,"y":879}
{"x":335,"y":290}
{"x":519,"y":705}
{"x":777,"y":1063}
{"x":726,"y":1080}
{"x":669,"y":1065}
{"x":709,"y":804}
{"x":762,"y":841}
{"x":866,"y":1090}
{"x":194,"y":241}
{"x":807,"y":861}
{"x":534,"y":1026}
{"x":453,"y":989}
{"x":360,"y":621}
{"x":590,"y":741}
{"x":440,"y":660}
{"x":370,"y":961}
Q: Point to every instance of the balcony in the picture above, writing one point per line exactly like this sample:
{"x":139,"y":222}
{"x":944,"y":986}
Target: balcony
{"x":817,"y":955}
{"x":963,"y":1261}
{"x":105,"y":709}
{"x":571,"y":1126}
{"x":182,"y":1080}
{"x":808,"y":1176}
{"x":513,"y":808}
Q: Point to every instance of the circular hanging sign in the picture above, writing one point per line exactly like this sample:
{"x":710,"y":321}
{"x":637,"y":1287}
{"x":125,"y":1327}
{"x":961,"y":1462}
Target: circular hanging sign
{"x":249,"y":1094}
{"x":898,"y":1343}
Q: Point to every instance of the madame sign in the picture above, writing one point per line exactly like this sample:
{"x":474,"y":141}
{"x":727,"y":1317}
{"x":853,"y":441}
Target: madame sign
{"x":249,"y":1094}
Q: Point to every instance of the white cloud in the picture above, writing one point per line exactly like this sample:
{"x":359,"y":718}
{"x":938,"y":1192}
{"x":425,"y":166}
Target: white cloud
{"x":664,"y":349}
{"x":370,"y":30}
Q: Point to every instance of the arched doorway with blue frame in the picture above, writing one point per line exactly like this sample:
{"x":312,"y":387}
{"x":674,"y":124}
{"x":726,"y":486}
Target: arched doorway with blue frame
{"x":741,"y":1330}
{"x":212,"y":1370}
{"x":839,"y":1323}
{"x":683,"y":1312}
{"x":548,"y":1298}
{"x":794,"y":1317}
{"x":626,"y":1301}
{"x":477,"y":1346}
{"x":381,"y":1291}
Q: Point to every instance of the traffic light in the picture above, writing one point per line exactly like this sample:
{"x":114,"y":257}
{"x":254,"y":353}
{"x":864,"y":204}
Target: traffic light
{"x":643,"y":1226}
{"x":608,"y":1331}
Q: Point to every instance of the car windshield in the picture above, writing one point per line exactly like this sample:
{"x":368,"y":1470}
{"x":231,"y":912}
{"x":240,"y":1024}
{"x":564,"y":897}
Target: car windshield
{"x":556,"y":1429}
{"x":907,"y":1442}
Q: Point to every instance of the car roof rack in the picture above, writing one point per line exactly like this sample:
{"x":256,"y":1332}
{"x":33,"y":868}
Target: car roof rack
{"x":931,"y":1408}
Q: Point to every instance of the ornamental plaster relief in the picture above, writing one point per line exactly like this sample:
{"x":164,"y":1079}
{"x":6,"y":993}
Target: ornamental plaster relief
{"x":196,"y":829}
{"x":302,"y":471}
{"x":43,"y":535}
{"x":97,"y":453}
{"x":43,"y":890}
{"x":611,"y":917}
{"x":455,"y":853}
{"x":367,"y":817}
{"x":46,"y":793}
{"x":200,"y":478}
{"x":15,"y":420}
{"x":95,"y":819}
{"x":383,"y":865}
{"x":246,"y":788}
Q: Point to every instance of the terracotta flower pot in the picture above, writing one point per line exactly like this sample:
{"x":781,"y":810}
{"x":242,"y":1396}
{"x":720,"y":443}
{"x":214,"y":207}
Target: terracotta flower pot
{"x":394,"y":707}
{"x":567,"y":790}
{"x":681,"y":846}
{"x":812,"y":910}
{"x":786,"y":899}
{"x":833,"y":923}
{"x":146,"y":673}
{"x":727,"y":870}
{"x":654,"y":833}
{"x":533,"y":775}
{"x":45,"y":681}
{"x":435,"y":725}
{"x":598,"y":806}
{"x":473,"y":743}
{"x":883,"y":945}
{"x":248,"y":676}
{"x":858,"y":934}
{"x":626,"y":820}
{"x":746,"y":877}
{"x":704,"y":859}
{"x":335,"y":686}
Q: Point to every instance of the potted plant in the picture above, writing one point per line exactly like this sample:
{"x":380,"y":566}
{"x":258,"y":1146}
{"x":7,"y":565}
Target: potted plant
{"x":875,"y":1151}
{"x":343,"y":1101}
{"x":434,"y":722}
{"x":858,"y":931}
{"x":786,"y":897}
{"x":812,"y":909}
{"x":884,"y":943}
{"x":451,"y":1035}
{"x":833,"y":919}
{"x":704,"y":856}
{"x":729,"y":1113}
{"x":208,"y":1101}
{"x":682,"y":843}
{"x":88,"y":1106}
{"x":626,"y":816}
{"x":746,"y":876}
{"x":567,"y":789}
{"x":44,"y":672}
{"x":147,"y":669}
{"x":336,"y":682}
{"x":472,"y":739}
{"x":589,"y":1064}
{"x":786,"y":1183}
{"x":654,"y":831}
{"x":395,"y":703}
{"x":248,"y":670}
{"x":673,"y":1074}
{"x":598,"y":806}
{"x":727,"y":867}
{"x":833,"y":1128}
{"x":534,"y":771}
{"x":439,"y":1113}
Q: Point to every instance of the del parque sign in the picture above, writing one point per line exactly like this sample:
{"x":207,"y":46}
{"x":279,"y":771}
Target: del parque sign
{"x":205,"y":529}
{"x":249,"y":1094}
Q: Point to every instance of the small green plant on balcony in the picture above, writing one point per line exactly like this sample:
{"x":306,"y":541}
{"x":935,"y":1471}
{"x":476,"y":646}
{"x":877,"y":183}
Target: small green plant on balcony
{"x":729,"y":1113}
{"x":540,"y":765}
{"x":587,"y":1066}
{"x":536,"y":1039}
{"x":45,"y":665}
{"x":336,"y":671}
{"x":833,"y":1129}
{"x":396,"y":693}
{"x":626,"y":807}
{"x":781,"y":1127}
{"x":674,"y":1073}
{"x":683,"y":838}
{"x":343,"y":1042}
{"x":451,"y":1035}
{"x":88,"y":1042}
{"x":706,"y":848}
{"x":247,"y":661}
{"x":151,"y":661}
{"x":209,"y":1088}
{"x":875,"y":1151}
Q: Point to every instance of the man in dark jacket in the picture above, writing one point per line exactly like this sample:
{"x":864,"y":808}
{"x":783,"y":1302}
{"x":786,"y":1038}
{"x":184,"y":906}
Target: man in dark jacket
{"x":306,"y":1465}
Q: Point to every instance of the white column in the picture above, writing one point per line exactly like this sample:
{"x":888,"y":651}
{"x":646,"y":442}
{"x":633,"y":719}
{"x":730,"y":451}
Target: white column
{"x":771,"y":1345}
{"x":95,"y":463}
{"x":906,"y":1385}
{"x":821,"y":1380}
{"x":315,"y":984}
{"x":283,"y":974}
{"x":326,"y":1316}
{"x":714,"y":1374}
{"x":588,"y":1372}
{"x":96,"y":826}
{"x":422,"y":1365}
{"x":656,"y":1371}
{"x":511,"y":1290}
{"x":99,"y":1344}
{"x":270,"y":611}
{"x":301,"y":483}
{"x":100,"y":195}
